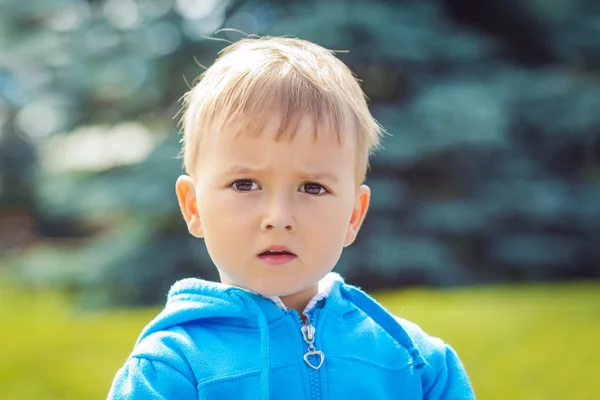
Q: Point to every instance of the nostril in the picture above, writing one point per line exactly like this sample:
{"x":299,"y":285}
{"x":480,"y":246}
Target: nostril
{"x":287,"y":227}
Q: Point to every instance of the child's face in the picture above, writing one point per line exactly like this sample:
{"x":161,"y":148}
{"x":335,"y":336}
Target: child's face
{"x":254,"y":193}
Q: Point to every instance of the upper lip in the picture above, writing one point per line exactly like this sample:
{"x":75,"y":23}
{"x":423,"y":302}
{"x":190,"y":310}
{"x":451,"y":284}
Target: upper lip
{"x":277,"y":248}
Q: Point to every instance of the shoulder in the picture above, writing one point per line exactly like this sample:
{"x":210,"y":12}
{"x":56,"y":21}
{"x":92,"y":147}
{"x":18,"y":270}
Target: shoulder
{"x":170,"y":346}
{"x":157,"y":368}
{"x":160,"y":344}
{"x":185,"y":346}
{"x":445,"y":375}
{"x":431,"y":348}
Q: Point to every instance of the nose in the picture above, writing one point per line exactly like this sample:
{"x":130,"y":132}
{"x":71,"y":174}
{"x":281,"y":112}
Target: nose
{"x":279,"y":215}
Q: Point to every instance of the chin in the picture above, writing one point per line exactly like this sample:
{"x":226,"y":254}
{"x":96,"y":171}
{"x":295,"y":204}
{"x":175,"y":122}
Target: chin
{"x":273,"y":284}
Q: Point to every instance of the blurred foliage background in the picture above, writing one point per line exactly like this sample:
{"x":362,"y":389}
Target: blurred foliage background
{"x":491,"y":174}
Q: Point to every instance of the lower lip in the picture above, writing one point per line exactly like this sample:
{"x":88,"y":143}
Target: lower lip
{"x":277,"y":259}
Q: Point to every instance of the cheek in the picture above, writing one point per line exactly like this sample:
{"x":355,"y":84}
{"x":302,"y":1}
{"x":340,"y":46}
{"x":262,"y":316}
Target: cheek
{"x":226,"y":213}
{"x":329,"y":220}
{"x":326,"y":237}
{"x":227,"y":223}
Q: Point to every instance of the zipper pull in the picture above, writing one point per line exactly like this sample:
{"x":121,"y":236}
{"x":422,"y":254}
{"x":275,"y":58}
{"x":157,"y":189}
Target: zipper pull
{"x":308,"y":333}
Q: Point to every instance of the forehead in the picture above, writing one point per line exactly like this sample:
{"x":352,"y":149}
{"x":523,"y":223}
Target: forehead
{"x":287,"y":126}
{"x":303,"y":144}
{"x":297,"y":128}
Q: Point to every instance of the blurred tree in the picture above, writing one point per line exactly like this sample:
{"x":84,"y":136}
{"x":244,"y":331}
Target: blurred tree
{"x":491,"y":173}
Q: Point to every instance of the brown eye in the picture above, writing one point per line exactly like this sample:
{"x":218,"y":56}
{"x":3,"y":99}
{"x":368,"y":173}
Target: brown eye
{"x":313,"y":188}
{"x":244,"y":185}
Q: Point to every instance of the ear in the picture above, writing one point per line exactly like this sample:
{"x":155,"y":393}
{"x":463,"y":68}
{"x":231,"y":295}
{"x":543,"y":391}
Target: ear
{"x":361,"y":205}
{"x":186,"y":195}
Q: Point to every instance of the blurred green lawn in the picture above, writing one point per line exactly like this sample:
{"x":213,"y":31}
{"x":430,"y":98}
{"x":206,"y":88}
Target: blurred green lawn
{"x":517,"y":342}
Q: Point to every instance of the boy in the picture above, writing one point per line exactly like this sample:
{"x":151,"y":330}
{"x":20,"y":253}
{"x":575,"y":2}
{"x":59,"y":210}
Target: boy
{"x":276,"y":141}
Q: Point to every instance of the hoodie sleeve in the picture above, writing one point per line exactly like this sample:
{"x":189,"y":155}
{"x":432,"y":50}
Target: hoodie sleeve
{"x":141,"y":378}
{"x":451,"y":380}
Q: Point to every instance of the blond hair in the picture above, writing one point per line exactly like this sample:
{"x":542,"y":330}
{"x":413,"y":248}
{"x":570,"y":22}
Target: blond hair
{"x":254,"y":78}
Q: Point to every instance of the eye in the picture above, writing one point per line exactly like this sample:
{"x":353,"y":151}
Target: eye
{"x":313,"y":188}
{"x":244,"y":185}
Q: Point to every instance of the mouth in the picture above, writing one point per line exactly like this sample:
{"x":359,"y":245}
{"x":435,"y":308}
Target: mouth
{"x":277,"y":255}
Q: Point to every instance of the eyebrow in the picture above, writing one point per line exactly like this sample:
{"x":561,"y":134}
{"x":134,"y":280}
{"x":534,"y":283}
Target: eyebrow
{"x":311,"y":176}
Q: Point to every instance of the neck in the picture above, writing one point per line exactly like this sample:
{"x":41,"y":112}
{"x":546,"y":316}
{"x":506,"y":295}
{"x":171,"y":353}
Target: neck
{"x":299,"y":300}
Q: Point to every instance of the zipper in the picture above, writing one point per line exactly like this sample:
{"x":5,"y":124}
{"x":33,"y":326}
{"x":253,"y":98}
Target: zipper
{"x":312,"y":357}
{"x":308,"y":333}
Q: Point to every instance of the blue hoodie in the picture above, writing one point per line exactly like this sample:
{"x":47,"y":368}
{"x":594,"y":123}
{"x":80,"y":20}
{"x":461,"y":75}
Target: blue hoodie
{"x":214,"y":341}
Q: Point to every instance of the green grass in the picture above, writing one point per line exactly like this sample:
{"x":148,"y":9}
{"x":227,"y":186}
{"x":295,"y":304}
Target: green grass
{"x":519,"y":342}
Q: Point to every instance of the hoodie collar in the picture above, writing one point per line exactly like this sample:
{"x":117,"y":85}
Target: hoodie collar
{"x":325,"y":286}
